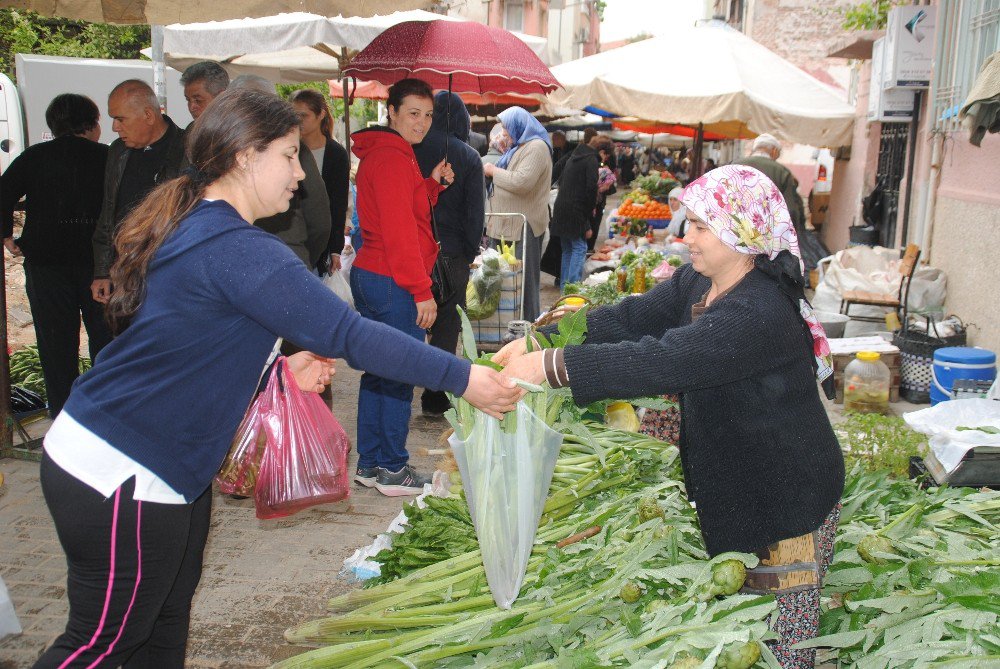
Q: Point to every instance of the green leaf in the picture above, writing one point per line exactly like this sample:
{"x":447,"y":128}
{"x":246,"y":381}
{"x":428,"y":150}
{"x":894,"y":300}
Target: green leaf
{"x":503,"y":626}
{"x":839,"y":640}
{"x":468,"y":336}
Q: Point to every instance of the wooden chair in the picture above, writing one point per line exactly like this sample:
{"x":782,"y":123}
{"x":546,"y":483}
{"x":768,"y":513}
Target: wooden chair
{"x":898,"y":302}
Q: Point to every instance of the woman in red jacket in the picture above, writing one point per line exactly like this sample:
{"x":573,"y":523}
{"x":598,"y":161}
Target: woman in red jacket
{"x":390,"y":278}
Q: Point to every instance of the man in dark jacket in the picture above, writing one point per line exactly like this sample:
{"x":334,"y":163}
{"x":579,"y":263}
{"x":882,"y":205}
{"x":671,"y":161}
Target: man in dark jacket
{"x":574,"y":207}
{"x":149,"y":150}
{"x":459,"y":217}
{"x":764,"y":157}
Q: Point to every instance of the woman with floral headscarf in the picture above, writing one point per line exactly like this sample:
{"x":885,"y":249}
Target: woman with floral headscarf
{"x":733,"y":335}
{"x":521,"y":179}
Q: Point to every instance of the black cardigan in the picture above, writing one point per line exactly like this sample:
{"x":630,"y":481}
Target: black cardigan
{"x":577,"y":196}
{"x":63,"y":181}
{"x":760,"y":458}
{"x":336,"y":169}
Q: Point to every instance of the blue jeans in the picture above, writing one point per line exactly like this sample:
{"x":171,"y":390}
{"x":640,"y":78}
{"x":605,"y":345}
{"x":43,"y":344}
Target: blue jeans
{"x":574,"y":252}
{"x":384,"y":405}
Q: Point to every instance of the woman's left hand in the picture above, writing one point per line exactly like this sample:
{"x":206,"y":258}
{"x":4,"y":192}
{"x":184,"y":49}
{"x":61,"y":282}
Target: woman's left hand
{"x":312,"y":373}
{"x":443,"y":171}
{"x":526,"y":367}
{"x":489,"y":169}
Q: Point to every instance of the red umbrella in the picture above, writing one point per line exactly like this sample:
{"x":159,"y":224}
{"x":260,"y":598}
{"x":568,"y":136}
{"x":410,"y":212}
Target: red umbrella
{"x":460,"y":56}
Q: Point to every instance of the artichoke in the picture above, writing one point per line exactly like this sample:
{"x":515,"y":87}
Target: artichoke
{"x":738,"y":656}
{"x":649,"y":509}
{"x":872,"y":544}
{"x":728,"y":577}
{"x":630,"y":593}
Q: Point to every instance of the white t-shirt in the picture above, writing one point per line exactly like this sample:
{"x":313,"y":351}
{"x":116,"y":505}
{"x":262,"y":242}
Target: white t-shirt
{"x":318,"y":155}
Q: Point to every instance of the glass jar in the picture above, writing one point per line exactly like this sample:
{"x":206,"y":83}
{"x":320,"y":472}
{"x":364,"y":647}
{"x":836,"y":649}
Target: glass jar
{"x":621,"y":276}
{"x":516,"y":330}
{"x":866,"y":384}
{"x":639,"y":280}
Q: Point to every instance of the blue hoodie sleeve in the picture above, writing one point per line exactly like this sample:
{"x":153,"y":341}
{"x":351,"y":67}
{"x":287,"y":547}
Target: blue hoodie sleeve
{"x":264,"y":280}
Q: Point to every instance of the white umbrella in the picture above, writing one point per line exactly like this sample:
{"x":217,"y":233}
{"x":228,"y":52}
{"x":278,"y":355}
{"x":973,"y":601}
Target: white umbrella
{"x":727,"y":78}
{"x":288,"y":48}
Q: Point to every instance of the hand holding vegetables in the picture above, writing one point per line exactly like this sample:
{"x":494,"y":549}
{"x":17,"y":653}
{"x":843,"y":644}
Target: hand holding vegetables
{"x":510,"y":351}
{"x":526,"y":367}
{"x":491,"y":392}
{"x":311,"y":372}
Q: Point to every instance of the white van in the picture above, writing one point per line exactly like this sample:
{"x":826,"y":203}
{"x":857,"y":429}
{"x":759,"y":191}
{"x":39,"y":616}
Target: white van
{"x":12,"y":135}
{"x":41,"y":78}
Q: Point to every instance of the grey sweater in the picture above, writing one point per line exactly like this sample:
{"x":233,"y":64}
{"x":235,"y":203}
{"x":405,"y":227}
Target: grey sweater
{"x":760,"y":457}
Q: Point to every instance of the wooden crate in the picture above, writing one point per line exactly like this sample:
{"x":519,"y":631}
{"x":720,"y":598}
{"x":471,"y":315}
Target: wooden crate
{"x":892,"y":360}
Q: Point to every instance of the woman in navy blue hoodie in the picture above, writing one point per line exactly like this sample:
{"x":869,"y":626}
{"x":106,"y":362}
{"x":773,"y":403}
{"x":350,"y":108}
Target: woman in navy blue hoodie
{"x":200,"y":297}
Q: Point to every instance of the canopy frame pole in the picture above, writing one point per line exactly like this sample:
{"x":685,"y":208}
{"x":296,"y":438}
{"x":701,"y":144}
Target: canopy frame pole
{"x":699,"y":141}
{"x":159,"y":67}
{"x":347,"y":101}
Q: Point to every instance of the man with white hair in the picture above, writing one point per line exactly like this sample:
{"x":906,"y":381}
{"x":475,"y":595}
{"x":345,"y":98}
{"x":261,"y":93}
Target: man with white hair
{"x":764,"y":157}
{"x":149,"y":150}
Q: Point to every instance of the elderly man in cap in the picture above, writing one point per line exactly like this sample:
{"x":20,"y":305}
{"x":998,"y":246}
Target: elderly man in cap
{"x":764,"y":157}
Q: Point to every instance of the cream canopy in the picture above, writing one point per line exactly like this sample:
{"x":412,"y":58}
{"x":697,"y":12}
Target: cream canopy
{"x":729,"y":79}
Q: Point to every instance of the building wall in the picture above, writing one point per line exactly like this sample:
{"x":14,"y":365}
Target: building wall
{"x":965,"y":242}
{"x":855,"y":177}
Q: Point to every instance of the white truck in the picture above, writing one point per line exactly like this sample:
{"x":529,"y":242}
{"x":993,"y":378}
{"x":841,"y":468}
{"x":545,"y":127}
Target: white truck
{"x":41,"y":78}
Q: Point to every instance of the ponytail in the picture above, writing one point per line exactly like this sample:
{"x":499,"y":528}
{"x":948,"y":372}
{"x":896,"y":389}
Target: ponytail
{"x":141,"y":234}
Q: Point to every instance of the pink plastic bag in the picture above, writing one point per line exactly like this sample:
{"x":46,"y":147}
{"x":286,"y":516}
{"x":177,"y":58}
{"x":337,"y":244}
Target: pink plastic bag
{"x":305,"y":460}
{"x":238,"y":474}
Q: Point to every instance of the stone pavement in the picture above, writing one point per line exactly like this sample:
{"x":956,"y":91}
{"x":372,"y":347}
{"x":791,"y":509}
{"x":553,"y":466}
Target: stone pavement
{"x":259,"y":578}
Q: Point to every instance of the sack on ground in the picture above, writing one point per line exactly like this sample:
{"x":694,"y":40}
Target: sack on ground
{"x":305,"y":460}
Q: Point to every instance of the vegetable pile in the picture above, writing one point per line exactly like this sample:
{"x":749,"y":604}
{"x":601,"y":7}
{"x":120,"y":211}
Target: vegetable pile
{"x":26,"y":369}
{"x":619,"y":575}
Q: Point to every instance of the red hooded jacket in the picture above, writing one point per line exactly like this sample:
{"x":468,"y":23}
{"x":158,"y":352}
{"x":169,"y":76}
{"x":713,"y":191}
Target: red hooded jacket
{"x":394,"y":208}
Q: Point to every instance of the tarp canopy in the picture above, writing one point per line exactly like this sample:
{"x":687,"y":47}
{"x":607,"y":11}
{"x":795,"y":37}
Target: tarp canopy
{"x":162,"y":12}
{"x":730,"y":80}
{"x":289,"y":48}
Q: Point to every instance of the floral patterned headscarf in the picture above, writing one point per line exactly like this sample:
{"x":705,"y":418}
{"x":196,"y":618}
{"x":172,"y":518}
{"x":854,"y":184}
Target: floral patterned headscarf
{"x":747,"y":212}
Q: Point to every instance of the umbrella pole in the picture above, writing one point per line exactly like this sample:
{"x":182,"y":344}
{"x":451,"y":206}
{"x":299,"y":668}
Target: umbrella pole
{"x":447,"y":136}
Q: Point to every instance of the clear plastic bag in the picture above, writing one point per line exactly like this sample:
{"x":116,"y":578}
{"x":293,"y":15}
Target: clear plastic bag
{"x":338,"y":284}
{"x":8,"y":618}
{"x":238,"y":474}
{"x":482,"y":295}
{"x":305,"y":460}
{"x":506,"y":477}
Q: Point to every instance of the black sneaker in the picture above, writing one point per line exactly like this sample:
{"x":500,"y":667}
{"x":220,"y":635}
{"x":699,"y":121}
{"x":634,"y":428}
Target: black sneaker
{"x":404,"y":482}
{"x":366,"y":476}
{"x":434,"y":403}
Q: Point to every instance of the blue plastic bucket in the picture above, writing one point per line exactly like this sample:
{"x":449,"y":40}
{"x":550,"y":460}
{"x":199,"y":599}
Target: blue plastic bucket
{"x":960,"y":362}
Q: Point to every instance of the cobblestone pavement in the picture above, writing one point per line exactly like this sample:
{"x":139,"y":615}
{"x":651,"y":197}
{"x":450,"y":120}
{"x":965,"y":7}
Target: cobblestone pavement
{"x":259,"y":578}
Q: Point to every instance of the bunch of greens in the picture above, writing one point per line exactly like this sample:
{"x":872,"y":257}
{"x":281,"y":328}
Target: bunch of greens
{"x":601,"y":294}
{"x":879,"y":442}
{"x":654,"y":184}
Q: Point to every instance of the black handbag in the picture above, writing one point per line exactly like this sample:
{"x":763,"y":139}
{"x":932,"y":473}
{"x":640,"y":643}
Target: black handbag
{"x":442,"y":287}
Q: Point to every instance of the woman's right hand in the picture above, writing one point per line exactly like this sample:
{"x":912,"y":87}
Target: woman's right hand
{"x":491,"y":391}
{"x":426,"y":313}
{"x":512,"y":350}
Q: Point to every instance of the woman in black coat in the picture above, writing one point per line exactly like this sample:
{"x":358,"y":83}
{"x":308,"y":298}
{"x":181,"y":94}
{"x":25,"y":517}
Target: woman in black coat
{"x":334,"y":164}
{"x":62,"y":182}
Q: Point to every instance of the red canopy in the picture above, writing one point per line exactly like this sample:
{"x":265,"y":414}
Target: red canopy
{"x":373,"y":90}
{"x":462,"y":56}
{"x":651,"y":127}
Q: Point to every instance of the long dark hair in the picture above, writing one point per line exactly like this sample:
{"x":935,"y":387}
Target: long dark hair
{"x":317,"y":105}
{"x":236,"y":121}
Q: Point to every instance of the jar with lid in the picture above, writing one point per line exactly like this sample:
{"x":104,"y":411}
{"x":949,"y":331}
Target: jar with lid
{"x":516,"y":330}
{"x":866,"y":384}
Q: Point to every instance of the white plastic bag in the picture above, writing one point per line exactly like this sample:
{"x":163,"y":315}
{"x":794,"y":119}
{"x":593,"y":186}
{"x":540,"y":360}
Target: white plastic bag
{"x":338,"y":284}
{"x":506,"y":478}
{"x":939,"y":423}
{"x":8,"y":619}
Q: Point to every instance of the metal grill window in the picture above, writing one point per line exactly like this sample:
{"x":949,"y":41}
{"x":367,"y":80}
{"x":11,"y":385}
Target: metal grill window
{"x":969,"y":31}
